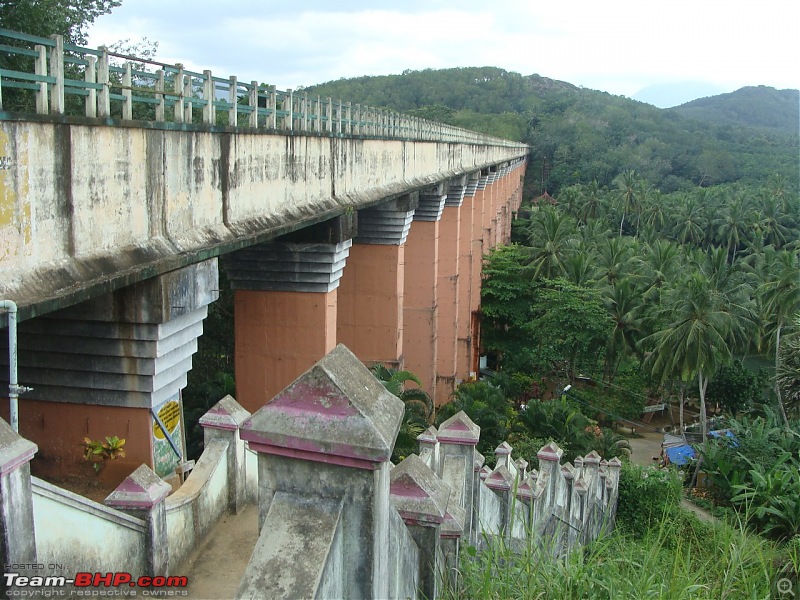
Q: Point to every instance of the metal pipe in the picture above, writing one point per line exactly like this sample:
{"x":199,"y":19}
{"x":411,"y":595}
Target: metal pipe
{"x":13,"y":388}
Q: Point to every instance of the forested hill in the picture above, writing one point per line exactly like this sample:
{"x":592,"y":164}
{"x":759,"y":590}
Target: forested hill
{"x":581,"y":134}
{"x":760,"y":106}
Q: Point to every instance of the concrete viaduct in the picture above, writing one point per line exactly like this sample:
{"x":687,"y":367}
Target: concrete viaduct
{"x":334,"y":223}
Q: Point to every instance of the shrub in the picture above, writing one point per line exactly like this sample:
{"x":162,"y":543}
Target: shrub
{"x":646,"y":496}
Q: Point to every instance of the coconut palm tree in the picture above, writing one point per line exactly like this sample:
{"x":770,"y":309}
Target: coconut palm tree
{"x":549,"y":234}
{"x":628,"y":187}
{"x":781,"y":295}
{"x":700,"y":331}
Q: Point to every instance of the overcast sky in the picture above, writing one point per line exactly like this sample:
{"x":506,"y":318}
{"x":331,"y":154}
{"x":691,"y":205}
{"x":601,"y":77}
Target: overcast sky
{"x":618,"y":46}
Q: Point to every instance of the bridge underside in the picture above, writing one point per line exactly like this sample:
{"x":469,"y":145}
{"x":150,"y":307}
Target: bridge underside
{"x":110,"y":238}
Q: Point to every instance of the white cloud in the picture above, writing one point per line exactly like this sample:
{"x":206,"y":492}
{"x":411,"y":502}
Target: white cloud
{"x":618,"y":45}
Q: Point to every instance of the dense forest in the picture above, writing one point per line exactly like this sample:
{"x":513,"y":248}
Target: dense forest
{"x":580,"y":135}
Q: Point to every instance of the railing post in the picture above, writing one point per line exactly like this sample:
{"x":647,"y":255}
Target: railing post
{"x":233,"y":100}
{"x":209,"y":116}
{"x":40,"y":67}
{"x":304,"y":112}
{"x":127,"y":93}
{"x":349,"y":113}
{"x":273,"y":104}
{"x":103,"y":78}
{"x":90,"y":103}
{"x":252,"y":119}
{"x":57,"y":71}
{"x":318,"y":113}
{"x":329,"y":113}
{"x":160,"y":95}
{"x":188,"y":105}
{"x":179,"y":93}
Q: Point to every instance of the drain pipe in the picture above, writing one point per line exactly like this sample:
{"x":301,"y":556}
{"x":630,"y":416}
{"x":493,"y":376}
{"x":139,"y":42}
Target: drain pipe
{"x":14,"y":390}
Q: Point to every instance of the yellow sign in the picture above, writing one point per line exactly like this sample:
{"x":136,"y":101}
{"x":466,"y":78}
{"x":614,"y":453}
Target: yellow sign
{"x":170,"y":415}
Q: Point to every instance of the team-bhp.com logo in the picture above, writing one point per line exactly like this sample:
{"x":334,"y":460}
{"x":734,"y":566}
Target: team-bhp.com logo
{"x":95,"y":584}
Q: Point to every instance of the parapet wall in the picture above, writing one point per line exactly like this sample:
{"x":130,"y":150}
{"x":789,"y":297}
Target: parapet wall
{"x":337,"y":519}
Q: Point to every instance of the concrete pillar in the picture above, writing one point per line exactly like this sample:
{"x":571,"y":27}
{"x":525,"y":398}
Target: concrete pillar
{"x":106,"y":366}
{"x":479,"y":248}
{"x":429,"y":448}
{"x":474,"y":526}
{"x":327,"y":437}
{"x":421,"y":498}
{"x":142,"y":495}
{"x":458,"y":437}
{"x":370,"y":315}
{"x":285,"y":305}
{"x":420,"y":288}
{"x":222,"y":422}
{"x":447,"y":289}
{"x":468,"y":261}
{"x":17,"y":535}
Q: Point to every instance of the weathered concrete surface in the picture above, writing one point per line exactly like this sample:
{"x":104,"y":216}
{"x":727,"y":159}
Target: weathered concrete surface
{"x":89,"y":208}
{"x":296,"y":550}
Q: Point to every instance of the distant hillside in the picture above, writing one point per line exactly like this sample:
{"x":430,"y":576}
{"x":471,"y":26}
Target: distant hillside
{"x":760,"y":106}
{"x":578,"y":135}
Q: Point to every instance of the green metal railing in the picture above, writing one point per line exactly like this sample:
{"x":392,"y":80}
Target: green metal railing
{"x":114,"y":85}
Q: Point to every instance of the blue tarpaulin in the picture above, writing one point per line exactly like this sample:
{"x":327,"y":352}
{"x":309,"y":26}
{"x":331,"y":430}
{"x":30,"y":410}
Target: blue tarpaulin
{"x":679,"y":455}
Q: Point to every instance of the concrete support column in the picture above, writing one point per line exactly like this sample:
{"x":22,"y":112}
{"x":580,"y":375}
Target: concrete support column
{"x":421,"y":498}
{"x":222,"y":422}
{"x":470,"y":210}
{"x":323,"y":446}
{"x":285,"y":305}
{"x":370,"y":316}
{"x":142,"y":495}
{"x":17,"y":535}
{"x":420,"y":288}
{"x":448,"y":285}
{"x":471,"y":329}
{"x":106,"y":366}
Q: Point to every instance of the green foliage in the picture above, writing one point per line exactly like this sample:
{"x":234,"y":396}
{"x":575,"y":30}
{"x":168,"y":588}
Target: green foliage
{"x":97,"y":451}
{"x":758,"y":473}
{"x":735,"y":387}
{"x":647,"y":496}
{"x":418,"y":407}
{"x":676,"y":557}
{"x":70,"y":18}
{"x":539,"y":324}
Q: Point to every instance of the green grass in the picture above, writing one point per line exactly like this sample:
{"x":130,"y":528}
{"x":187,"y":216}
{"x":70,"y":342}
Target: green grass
{"x":678,"y":557}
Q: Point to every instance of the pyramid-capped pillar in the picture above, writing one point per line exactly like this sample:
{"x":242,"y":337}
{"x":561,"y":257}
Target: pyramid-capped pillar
{"x":429,"y":448}
{"x":453,"y":530}
{"x":502,"y":482}
{"x":17,"y":532}
{"x":522,"y":466}
{"x":222,"y":422}
{"x":417,"y":493}
{"x":421,"y":498}
{"x":330,"y":434}
{"x":458,"y":437}
{"x":525,"y":491}
{"x":459,"y":430}
{"x":485,"y":471}
{"x":591,"y":471}
{"x":503,"y":454}
{"x":142,"y":495}
{"x":480,"y":460}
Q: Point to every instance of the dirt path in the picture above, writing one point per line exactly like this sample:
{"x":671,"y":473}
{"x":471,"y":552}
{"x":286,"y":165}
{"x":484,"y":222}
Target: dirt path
{"x":644,"y":448}
{"x":215,"y":567}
